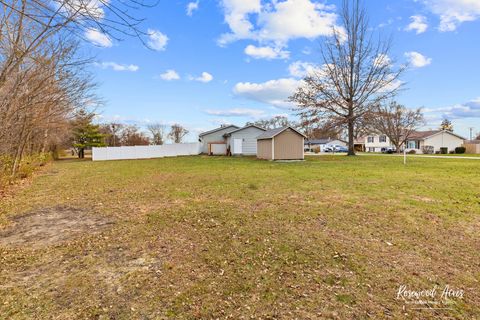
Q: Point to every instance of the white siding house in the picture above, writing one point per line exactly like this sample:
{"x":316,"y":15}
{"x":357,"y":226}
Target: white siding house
{"x":375,"y":143}
{"x":310,"y":145}
{"x":243,"y":141}
{"x":216,"y":139}
{"x":435,"y":139}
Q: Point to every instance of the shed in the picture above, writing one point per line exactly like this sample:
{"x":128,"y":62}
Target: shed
{"x":213,"y":141}
{"x":284,"y":143}
{"x":243,"y":141}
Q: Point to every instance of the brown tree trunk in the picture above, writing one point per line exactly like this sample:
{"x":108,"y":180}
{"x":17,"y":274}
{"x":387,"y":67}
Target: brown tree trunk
{"x":351,"y":138}
{"x":45,"y":140}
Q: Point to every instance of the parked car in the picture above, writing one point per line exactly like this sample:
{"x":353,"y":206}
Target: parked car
{"x":341,"y":149}
{"x":335,"y":148}
{"x":389,"y":150}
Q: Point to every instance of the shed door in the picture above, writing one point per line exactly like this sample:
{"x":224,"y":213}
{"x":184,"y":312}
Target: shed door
{"x":237,"y":146}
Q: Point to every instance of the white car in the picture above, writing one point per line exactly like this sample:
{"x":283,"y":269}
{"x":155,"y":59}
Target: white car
{"x":333,"y":148}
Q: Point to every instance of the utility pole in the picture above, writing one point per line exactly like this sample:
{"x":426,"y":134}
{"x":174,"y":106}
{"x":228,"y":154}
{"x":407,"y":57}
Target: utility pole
{"x":471,"y":133}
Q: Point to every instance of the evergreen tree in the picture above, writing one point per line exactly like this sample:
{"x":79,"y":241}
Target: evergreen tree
{"x":85,"y":134}
{"x":446,"y":125}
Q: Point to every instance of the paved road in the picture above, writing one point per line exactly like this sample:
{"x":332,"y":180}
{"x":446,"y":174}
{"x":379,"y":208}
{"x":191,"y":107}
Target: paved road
{"x":394,"y":155}
{"x":419,"y":156}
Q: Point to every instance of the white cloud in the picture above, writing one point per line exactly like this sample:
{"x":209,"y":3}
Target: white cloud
{"x":237,"y":112}
{"x":274,"y":92}
{"x":237,"y":17}
{"x":170,"y":75}
{"x":307,"y":51}
{"x":192,"y":6}
{"x":418,"y":24}
{"x":277,"y":21}
{"x":118,"y":67}
{"x":268,"y":53}
{"x":205,"y":77}
{"x":417,"y":60}
{"x":384,"y":24}
{"x":80,"y":9}
{"x":300,"y":69}
{"x":469,"y":109}
{"x":382,"y":60}
{"x":453,"y":12}
{"x":98,"y":38}
{"x":158,"y":41}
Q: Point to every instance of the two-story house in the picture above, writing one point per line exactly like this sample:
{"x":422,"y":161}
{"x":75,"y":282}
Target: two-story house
{"x":377,"y":143}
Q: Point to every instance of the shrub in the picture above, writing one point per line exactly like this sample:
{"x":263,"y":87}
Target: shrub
{"x":412,"y":152}
{"x":443,"y":150}
{"x":27,"y":166}
{"x":452,"y":152}
{"x":316,"y":149}
{"x":437,"y":152}
{"x":460,"y":150}
{"x":428,"y":149}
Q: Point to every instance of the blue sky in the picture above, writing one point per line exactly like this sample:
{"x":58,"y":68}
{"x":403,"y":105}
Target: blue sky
{"x":233,"y":61}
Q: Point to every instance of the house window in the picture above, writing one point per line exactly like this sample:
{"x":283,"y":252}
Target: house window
{"x":371,"y":149}
{"x":371,"y":139}
{"x":383,"y":139}
{"x":413,"y":144}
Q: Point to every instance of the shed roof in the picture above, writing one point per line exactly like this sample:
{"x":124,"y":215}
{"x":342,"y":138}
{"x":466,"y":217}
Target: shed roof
{"x":269,"y":134}
{"x":233,"y":127}
{"x":246,"y":127}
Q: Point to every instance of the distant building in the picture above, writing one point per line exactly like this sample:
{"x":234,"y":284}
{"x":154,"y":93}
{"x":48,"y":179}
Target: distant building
{"x":311,"y":144}
{"x":418,"y":141}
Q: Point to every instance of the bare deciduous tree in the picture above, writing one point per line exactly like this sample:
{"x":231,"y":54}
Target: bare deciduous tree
{"x":357,"y":74}
{"x":274,"y":122}
{"x":112,"y":132}
{"x":132,"y":136}
{"x":158,"y":132}
{"x":396,"y":122}
{"x":177,"y":133}
{"x":42,"y":77}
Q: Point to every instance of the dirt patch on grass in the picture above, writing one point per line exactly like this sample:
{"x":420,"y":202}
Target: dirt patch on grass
{"x":51,"y":226}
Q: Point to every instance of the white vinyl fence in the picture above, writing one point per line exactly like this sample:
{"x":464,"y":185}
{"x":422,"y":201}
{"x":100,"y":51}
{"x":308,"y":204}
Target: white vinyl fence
{"x":145,"y":152}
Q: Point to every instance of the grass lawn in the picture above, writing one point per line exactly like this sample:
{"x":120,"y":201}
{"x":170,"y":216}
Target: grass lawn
{"x":215,"y":237}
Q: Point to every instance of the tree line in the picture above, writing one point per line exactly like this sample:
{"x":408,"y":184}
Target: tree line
{"x":44,"y":77}
{"x":86,"y":134}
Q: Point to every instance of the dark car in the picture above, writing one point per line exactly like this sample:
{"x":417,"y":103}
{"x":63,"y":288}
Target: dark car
{"x":388,"y":150}
{"x":341,"y":149}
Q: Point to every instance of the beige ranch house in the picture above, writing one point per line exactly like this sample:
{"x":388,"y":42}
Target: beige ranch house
{"x":284,"y":143}
{"x":435,"y":139}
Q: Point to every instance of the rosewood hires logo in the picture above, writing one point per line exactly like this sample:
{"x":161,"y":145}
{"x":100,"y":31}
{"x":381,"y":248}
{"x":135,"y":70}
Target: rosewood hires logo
{"x":433,"y":298}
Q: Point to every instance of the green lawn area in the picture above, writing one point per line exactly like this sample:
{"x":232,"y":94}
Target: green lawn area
{"x":214,"y":237}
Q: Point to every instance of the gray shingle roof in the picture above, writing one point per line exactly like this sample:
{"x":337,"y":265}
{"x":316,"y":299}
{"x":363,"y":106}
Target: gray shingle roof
{"x":233,"y":127}
{"x":273,"y":132}
{"x":240,"y":129}
{"x":321,"y":141}
{"x":421,"y":135}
